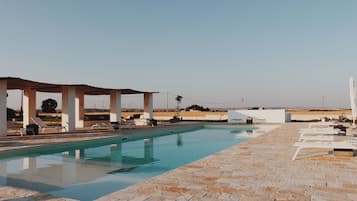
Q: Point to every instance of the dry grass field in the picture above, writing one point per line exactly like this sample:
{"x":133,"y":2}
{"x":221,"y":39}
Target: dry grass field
{"x":183,"y":114}
{"x":202,"y":114}
{"x":320,"y":112}
{"x":296,"y":114}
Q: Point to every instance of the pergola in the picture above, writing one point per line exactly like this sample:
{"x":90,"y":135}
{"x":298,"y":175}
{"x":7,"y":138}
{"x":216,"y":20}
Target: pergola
{"x":72,"y":101}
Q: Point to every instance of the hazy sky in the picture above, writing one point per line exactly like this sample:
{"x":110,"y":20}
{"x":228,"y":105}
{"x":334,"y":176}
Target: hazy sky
{"x":213,"y":53}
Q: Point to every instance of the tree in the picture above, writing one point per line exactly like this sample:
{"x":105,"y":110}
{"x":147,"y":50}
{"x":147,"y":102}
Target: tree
{"x":197,"y":107}
{"x":49,"y":105}
{"x":178,"y":100}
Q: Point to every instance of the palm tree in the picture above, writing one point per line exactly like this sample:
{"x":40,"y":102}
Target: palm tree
{"x":178,"y":100}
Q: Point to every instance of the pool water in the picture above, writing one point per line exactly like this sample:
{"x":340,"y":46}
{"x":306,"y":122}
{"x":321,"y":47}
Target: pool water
{"x":89,"y":172}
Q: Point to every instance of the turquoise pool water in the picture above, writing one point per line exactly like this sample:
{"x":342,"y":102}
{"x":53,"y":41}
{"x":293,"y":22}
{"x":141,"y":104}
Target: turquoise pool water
{"x":87,"y":171}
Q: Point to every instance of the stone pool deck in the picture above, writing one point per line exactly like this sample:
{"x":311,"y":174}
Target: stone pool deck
{"x":258,"y":169}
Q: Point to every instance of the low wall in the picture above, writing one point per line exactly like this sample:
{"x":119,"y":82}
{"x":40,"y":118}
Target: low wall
{"x":207,"y":117}
{"x":259,"y":116}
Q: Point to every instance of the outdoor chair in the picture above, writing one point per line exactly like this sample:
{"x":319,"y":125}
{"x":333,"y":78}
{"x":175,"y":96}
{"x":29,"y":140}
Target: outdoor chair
{"x":343,"y":145}
{"x":322,"y":124}
{"x":106,"y":126}
{"x":13,"y":128}
{"x":44,"y":127}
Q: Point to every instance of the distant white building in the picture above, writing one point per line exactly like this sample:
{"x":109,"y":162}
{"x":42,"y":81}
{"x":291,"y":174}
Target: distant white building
{"x":259,"y":116}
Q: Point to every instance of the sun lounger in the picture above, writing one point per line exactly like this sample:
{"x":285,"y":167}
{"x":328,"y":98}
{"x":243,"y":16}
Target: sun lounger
{"x":102,"y":126}
{"x":335,"y":132}
{"x":331,"y":131}
{"x":44,"y":127}
{"x":322,"y":124}
{"x":332,"y":145}
{"x":316,"y":138}
{"x":319,"y":135}
{"x":128,"y":122}
{"x":302,"y":130}
{"x":141,"y":122}
{"x":13,"y":128}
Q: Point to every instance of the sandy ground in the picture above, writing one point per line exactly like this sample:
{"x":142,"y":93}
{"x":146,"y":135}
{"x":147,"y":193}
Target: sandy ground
{"x":301,"y":114}
{"x":296,"y":114}
{"x":315,"y":112}
{"x":198,"y":113}
{"x":308,"y":115}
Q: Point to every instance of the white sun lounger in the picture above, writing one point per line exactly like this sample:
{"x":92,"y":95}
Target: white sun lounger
{"x":332,"y":145}
{"x":323,"y":124}
{"x":330,"y":131}
{"x":102,"y":126}
{"x":316,"y":138}
{"x":336,"y":132}
{"x":43,"y":126}
{"x":13,"y":128}
{"x":317,"y":129}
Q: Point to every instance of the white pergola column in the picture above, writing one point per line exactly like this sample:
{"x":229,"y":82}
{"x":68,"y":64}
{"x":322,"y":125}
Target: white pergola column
{"x":115,"y":106}
{"x":148,"y":105}
{"x":79,"y":108}
{"x":3,"y":110}
{"x":68,"y":108}
{"x":29,"y":106}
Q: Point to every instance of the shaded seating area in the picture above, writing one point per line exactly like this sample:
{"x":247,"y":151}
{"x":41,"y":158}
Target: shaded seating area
{"x":72,"y":95}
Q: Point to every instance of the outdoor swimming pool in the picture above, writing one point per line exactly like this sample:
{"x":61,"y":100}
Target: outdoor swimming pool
{"x":87,"y":171}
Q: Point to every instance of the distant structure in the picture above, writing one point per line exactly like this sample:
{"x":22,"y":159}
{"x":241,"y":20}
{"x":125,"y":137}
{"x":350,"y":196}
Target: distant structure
{"x":258,"y":116}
